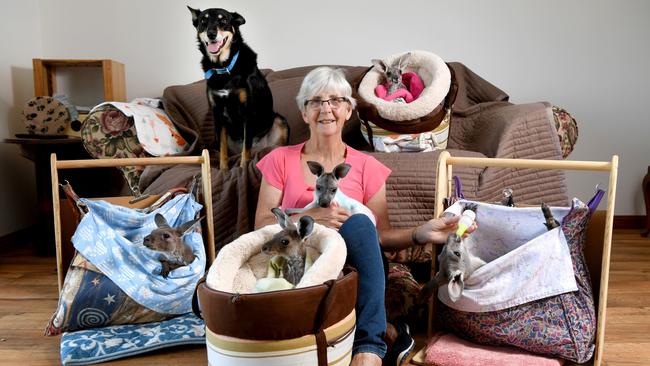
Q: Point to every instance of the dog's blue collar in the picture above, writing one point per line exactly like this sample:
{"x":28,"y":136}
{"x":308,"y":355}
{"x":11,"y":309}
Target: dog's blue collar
{"x":225,"y":70}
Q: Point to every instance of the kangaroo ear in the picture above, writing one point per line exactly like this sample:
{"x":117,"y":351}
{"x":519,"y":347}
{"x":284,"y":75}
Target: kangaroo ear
{"x":341,"y":170}
{"x":237,"y":20}
{"x":160,"y":220}
{"x":379,"y":64}
{"x":315,"y":168}
{"x":282,"y":217}
{"x":305,"y":226}
{"x":195,"y":15}
{"x":455,"y":286}
{"x":185,"y":227}
{"x":404,"y":61}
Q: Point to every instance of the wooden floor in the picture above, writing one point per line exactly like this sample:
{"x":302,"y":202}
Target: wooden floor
{"x":28,"y":296}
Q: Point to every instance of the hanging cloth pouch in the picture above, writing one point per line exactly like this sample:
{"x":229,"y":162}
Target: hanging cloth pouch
{"x":525,"y":261}
{"x":503,"y":309}
{"x":111,"y":236}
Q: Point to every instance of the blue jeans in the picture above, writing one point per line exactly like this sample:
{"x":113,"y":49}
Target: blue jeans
{"x":364,"y":254}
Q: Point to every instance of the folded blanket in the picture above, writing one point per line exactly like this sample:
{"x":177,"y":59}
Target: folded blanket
{"x":449,"y":350}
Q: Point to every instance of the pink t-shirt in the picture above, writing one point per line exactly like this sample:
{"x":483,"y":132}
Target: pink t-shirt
{"x":281,"y":169}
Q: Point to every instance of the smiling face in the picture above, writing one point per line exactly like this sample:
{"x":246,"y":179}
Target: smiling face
{"x":216,"y":29}
{"x":326,"y":112}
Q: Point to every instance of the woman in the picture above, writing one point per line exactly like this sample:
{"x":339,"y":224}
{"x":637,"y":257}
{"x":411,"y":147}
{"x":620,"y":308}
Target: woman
{"x":326,"y":103}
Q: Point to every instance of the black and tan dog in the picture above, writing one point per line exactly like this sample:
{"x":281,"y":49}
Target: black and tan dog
{"x":240,"y":98}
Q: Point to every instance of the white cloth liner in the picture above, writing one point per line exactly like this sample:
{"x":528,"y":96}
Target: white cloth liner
{"x":525,"y":261}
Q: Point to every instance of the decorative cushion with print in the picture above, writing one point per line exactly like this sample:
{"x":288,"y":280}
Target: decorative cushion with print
{"x":89,"y":299}
{"x":567,"y":130}
{"x":109,"y":133}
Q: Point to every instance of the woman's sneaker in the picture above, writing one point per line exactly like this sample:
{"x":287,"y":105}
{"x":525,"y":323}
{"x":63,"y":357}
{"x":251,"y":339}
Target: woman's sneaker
{"x":402,"y":346}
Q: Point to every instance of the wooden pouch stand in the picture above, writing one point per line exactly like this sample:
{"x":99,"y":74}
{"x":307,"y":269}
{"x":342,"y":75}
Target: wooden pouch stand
{"x":599,"y":233}
{"x":64,"y":225}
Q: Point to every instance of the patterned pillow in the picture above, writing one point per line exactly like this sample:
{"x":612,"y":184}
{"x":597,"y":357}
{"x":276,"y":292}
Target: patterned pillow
{"x":109,"y":133}
{"x":89,"y":299}
{"x":110,"y":343}
{"x":567,"y":130}
{"x":563,"y":325}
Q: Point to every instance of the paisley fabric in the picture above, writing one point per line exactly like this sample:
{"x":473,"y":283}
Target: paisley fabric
{"x":563,"y":325}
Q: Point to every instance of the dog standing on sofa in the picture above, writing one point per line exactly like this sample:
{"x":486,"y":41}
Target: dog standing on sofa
{"x":239,"y":97}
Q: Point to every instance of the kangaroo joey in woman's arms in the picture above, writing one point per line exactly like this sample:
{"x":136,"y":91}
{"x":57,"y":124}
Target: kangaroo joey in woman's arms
{"x":169,"y":241}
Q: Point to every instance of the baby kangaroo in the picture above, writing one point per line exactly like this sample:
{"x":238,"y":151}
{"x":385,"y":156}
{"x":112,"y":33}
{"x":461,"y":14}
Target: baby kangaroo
{"x":456,"y":264}
{"x":549,"y":221}
{"x":327,"y":191}
{"x":169,"y":241}
{"x":290,"y":244}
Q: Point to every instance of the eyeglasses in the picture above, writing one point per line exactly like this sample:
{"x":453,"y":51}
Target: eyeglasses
{"x":335,"y":103}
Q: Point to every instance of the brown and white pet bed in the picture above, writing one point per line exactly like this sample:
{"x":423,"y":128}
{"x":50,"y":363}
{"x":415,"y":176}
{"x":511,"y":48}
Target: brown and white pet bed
{"x":308,"y":325}
{"x":423,"y":115}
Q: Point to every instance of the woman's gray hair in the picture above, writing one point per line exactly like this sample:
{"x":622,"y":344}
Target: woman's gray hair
{"x":321,"y":79}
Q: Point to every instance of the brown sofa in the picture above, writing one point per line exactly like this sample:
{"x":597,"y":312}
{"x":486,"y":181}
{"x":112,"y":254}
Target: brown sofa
{"x":483,"y":124}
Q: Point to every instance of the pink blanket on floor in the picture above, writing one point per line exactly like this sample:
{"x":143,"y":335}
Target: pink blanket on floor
{"x":414,"y":87}
{"x":449,"y":350}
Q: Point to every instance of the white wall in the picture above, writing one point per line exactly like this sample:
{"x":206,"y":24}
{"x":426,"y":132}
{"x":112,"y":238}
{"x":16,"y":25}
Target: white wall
{"x":588,"y":56}
{"x":20,"y":42}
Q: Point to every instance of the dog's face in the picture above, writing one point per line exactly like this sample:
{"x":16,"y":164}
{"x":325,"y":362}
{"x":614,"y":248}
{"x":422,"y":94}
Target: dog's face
{"x":215,"y":30}
{"x":327,"y":183}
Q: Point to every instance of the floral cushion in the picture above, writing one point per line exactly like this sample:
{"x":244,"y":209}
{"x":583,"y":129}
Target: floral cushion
{"x":110,"y":343}
{"x":109,"y":133}
{"x":567,"y":130}
{"x":563,"y":325}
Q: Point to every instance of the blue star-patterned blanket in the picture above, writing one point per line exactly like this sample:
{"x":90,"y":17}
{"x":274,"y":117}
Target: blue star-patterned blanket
{"x":111,"y":236}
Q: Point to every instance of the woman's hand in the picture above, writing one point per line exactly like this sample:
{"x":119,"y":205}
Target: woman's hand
{"x":437,"y":230}
{"x":333,"y":216}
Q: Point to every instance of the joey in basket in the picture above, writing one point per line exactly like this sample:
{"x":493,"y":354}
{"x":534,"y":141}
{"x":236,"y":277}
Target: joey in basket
{"x":393,"y":73}
{"x":169,"y":241}
{"x":289,"y":244}
{"x":327,"y":191}
{"x":238,"y":94}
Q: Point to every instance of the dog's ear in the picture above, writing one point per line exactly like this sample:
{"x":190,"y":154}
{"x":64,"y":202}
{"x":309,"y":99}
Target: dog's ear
{"x":195,"y":15}
{"x":315,"y":168}
{"x":341,"y":170}
{"x":237,"y":20}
